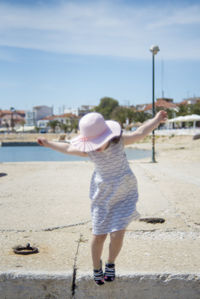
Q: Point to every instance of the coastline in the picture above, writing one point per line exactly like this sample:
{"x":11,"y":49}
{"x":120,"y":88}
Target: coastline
{"x":162,"y":142}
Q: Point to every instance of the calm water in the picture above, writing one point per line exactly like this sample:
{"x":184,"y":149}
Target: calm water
{"x":39,"y":153}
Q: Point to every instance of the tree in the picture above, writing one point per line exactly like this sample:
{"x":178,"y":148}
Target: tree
{"x":7,"y":125}
{"x":37,"y":129}
{"x":195,"y":109}
{"x":106,"y":107}
{"x":66,"y":128}
{"x":53,"y":124}
{"x":170,"y":113}
{"x":74,"y":124}
{"x":184,"y":109}
{"x":121,"y":114}
{"x":141,"y":116}
{"x":12,"y":121}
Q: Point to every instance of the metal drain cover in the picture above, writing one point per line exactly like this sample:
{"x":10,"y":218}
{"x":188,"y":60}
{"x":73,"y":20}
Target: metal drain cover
{"x":3,"y":174}
{"x":25,"y":250}
{"x":153,"y":220}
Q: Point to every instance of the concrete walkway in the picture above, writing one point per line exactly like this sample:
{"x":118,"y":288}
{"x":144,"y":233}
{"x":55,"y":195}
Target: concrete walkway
{"x":47,"y":205}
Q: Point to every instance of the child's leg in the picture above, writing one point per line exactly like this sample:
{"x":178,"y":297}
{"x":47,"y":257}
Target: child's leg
{"x":116,"y":241}
{"x":97,"y":248}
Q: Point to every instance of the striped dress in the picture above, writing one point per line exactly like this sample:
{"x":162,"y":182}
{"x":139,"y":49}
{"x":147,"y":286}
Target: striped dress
{"x":113,"y":190}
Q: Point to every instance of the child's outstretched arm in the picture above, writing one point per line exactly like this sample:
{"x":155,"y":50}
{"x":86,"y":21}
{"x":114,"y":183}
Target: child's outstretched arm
{"x":146,"y":128}
{"x":65,"y":148}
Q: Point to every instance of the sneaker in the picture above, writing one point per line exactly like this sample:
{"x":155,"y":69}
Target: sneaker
{"x":109,"y":274}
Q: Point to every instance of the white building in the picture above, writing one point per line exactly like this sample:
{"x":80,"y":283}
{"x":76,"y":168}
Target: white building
{"x":41,"y":112}
{"x":30,"y":118}
{"x":84,"y":109}
{"x":66,"y":118}
{"x":191,"y":101}
{"x":71,"y":111}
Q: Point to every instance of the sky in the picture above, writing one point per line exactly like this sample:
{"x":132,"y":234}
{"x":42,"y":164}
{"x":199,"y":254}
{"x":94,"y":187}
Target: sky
{"x":72,"y":53}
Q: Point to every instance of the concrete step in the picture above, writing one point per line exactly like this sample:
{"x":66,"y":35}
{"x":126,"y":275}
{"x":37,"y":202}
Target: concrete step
{"x":43,"y":285}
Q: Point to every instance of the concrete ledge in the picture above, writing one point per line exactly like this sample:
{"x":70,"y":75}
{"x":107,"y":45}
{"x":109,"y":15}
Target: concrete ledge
{"x":35,"y":285}
{"x":143,"y":286}
{"x":19,"y":143}
{"x":45,"y":285}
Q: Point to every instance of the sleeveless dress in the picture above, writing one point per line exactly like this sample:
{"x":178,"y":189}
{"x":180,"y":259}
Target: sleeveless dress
{"x":113,"y":190}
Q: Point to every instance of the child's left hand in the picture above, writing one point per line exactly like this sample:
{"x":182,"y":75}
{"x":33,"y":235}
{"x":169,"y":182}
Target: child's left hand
{"x":161,"y":116}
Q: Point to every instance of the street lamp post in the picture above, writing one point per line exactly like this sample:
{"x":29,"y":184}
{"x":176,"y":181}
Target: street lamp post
{"x":154,"y":50}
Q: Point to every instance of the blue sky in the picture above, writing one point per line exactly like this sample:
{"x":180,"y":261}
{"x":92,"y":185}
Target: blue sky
{"x":59,"y":52}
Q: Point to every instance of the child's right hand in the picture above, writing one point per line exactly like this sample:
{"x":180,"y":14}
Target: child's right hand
{"x":42,"y":141}
{"x":161,"y":116}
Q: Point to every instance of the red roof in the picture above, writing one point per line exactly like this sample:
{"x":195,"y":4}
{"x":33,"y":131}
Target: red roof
{"x":52,"y":117}
{"x":183,"y":103}
{"x":8,"y":112}
{"x":16,"y":117}
{"x":186,"y":102}
{"x":161,"y":104}
{"x":68,"y":115}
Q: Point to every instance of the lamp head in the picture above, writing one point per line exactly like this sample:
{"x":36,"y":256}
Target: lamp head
{"x":154,"y":49}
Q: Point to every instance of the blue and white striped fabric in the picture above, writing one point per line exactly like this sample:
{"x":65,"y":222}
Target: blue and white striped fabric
{"x":113,"y":190}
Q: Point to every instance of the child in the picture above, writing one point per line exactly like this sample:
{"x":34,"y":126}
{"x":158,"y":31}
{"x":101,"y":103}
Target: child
{"x":113,"y":189}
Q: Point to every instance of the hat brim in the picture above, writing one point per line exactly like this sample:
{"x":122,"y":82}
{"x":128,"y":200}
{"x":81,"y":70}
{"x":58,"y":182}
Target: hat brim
{"x":88,"y":145}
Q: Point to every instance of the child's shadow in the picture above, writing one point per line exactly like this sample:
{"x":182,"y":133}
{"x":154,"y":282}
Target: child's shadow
{"x":3,"y":174}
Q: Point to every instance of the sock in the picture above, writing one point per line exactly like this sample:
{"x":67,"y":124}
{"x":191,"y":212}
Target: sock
{"x":109,"y":274}
{"x":98,"y":276}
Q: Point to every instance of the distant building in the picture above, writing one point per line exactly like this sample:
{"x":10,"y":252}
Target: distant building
{"x":10,"y":118}
{"x":37,"y":113}
{"x":43,"y":123}
{"x":42,"y":111}
{"x":141,"y":107}
{"x":71,"y":110}
{"x":190,"y":101}
{"x":30,"y":118}
{"x":169,"y":100}
{"x":84,"y":109}
{"x":163,"y":103}
{"x":66,"y":118}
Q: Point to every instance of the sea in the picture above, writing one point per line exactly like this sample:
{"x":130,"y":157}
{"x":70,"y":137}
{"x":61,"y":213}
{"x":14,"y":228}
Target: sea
{"x":39,"y":153}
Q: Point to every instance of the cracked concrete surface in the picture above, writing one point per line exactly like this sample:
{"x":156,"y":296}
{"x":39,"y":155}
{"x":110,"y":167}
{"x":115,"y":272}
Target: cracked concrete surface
{"x":47,"y":205}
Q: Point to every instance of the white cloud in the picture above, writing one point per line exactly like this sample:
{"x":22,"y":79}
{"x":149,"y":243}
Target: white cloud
{"x":103,"y":29}
{"x":182,"y":16}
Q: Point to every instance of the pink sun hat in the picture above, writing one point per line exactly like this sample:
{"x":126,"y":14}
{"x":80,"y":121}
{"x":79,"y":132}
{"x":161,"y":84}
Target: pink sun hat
{"x":95,"y":132}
